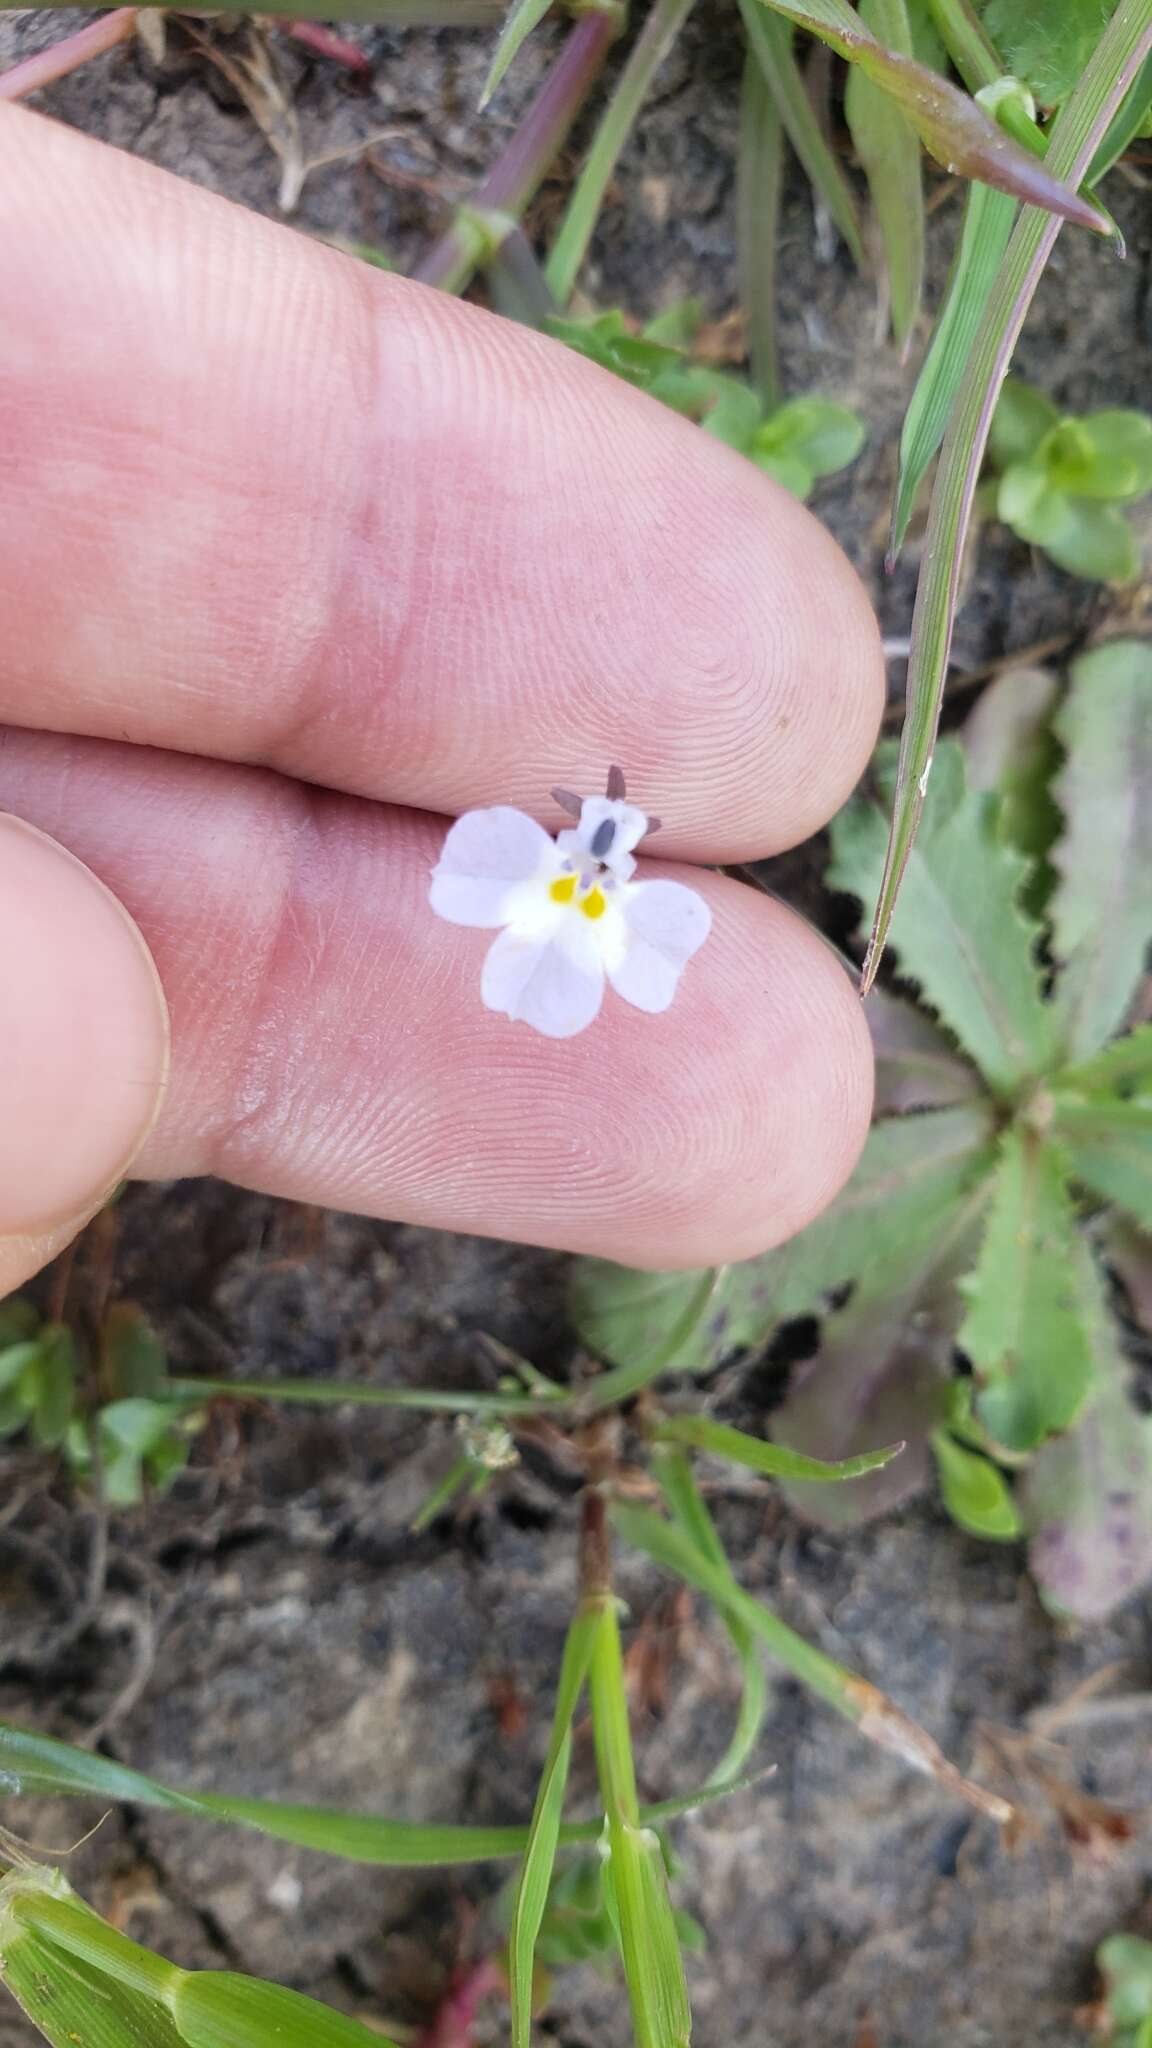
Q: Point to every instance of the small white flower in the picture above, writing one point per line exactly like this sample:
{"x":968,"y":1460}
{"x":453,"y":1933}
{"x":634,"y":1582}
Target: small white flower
{"x":568,"y":911}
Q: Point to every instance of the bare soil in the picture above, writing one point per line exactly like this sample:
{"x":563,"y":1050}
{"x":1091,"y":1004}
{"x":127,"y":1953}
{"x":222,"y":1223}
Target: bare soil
{"x":272,"y":1628}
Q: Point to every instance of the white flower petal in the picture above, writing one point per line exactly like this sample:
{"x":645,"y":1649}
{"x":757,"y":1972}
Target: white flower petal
{"x":666,"y":923}
{"x":628,"y":828}
{"x":486,"y":855}
{"x":555,"y":984}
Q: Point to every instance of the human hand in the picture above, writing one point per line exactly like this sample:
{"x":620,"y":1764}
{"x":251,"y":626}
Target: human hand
{"x":298,"y":561}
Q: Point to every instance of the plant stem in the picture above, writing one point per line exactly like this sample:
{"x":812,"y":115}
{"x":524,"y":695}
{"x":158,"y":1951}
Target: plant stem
{"x":652,"y":45}
{"x":625,"y":1380}
{"x":527,"y":157}
{"x":68,"y":54}
{"x":963,"y":36}
{"x":324,"y":41}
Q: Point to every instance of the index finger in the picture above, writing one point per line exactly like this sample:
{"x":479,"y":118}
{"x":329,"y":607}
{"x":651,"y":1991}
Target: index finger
{"x":264,"y":503}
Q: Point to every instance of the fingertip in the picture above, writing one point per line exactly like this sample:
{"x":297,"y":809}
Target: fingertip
{"x":83,"y":1043}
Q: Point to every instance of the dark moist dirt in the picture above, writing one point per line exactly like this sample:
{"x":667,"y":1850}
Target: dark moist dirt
{"x":272,"y":1628}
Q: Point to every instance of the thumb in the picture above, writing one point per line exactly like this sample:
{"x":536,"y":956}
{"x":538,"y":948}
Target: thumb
{"x":83,"y":1047}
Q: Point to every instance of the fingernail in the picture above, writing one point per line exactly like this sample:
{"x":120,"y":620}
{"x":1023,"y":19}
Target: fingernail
{"x":83,"y":1035}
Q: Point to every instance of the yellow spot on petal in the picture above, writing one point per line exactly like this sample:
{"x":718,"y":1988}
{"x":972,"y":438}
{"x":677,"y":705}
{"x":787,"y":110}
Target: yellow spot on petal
{"x":563,"y":890}
{"x":594,"y":904}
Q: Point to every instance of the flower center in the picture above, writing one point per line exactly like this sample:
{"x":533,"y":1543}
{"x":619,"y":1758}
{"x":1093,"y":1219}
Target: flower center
{"x":592,"y":900}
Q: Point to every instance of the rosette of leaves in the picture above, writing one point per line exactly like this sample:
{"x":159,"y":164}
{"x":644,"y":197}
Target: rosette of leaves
{"x":964,"y":1280}
{"x":1064,"y":480}
{"x":797,"y":443}
{"x":126,"y":1442}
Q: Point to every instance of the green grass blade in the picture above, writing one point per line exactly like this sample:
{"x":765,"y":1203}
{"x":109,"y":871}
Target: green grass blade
{"x":962,"y":34}
{"x":687,"y":1507}
{"x":37,"y":1764}
{"x":889,"y":150}
{"x":770,"y":43}
{"x":219,"y":2009}
{"x":664,"y":23}
{"x":645,"y":1922}
{"x":338,"y":1393}
{"x":988,"y":220}
{"x":1082,"y":122}
{"x":868,"y":1709}
{"x":395,"y":13}
{"x":522,"y":19}
{"x":760,"y":1456}
{"x":759,"y":175}
{"x":544,"y":1832}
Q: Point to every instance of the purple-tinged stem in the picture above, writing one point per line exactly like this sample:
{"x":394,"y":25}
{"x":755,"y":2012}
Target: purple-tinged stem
{"x":530,"y":153}
{"x":324,"y":42}
{"x":68,"y":54}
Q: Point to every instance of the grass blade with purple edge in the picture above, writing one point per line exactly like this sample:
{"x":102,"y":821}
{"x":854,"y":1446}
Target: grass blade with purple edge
{"x":1076,"y":135}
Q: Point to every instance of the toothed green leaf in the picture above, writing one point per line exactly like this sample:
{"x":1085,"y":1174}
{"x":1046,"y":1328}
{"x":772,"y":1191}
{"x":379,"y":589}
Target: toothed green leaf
{"x":1102,"y":908}
{"x":1109,"y":1148}
{"x":958,"y":928}
{"x":1027,"y":1330}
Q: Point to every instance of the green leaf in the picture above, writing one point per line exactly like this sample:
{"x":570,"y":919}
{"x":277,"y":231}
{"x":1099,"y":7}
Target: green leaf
{"x":1124,"y":1066}
{"x":975,"y":1491}
{"x":133,"y":1359}
{"x":32,"y":1765}
{"x":759,"y":181}
{"x":959,"y":929}
{"x":987,"y":224}
{"x":1096,"y":465}
{"x":1047,"y":42}
{"x":19,"y":1320}
{"x":1087,"y":1497}
{"x":1026,"y":1330}
{"x":770,"y":46}
{"x":883,"y":1369}
{"x":522,"y":18}
{"x":218,"y":2009}
{"x":1075,"y":136}
{"x":1109,"y":1148}
{"x":889,"y":150}
{"x":1122,"y":440}
{"x":1012,"y":752}
{"x":1085,"y":538}
{"x":636,"y":1872}
{"x":825,"y":437}
{"x":917,"y":1066}
{"x":689,"y":1510}
{"x":544,"y":1832}
{"x":1102,"y":909}
{"x":69,"y":1999}
{"x":911,"y":1174}
{"x":952,"y":127}
{"x":1125,"y":1963}
{"x":775,"y":1460}
{"x":55,"y":1386}
{"x":1022,"y":418}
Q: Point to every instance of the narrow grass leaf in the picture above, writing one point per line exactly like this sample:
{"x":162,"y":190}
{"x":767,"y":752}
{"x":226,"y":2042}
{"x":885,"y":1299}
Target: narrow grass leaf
{"x":544,"y":1831}
{"x":645,"y":1922}
{"x":1075,"y":137}
{"x":759,"y":173}
{"x":687,"y":1507}
{"x":988,"y":221}
{"x":868,"y":1709}
{"x":889,"y":150}
{"x":1109,"y":1147}
{"x":523,"y":17}
{"x":32,"y":1764}
{"x":663,"y":24}
{"x":776,"y":1460}
{"x":959,"y":929}
{"x":1102,"y":907}
{"x":1027,"y":1330}
{"x":770,"y":45}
